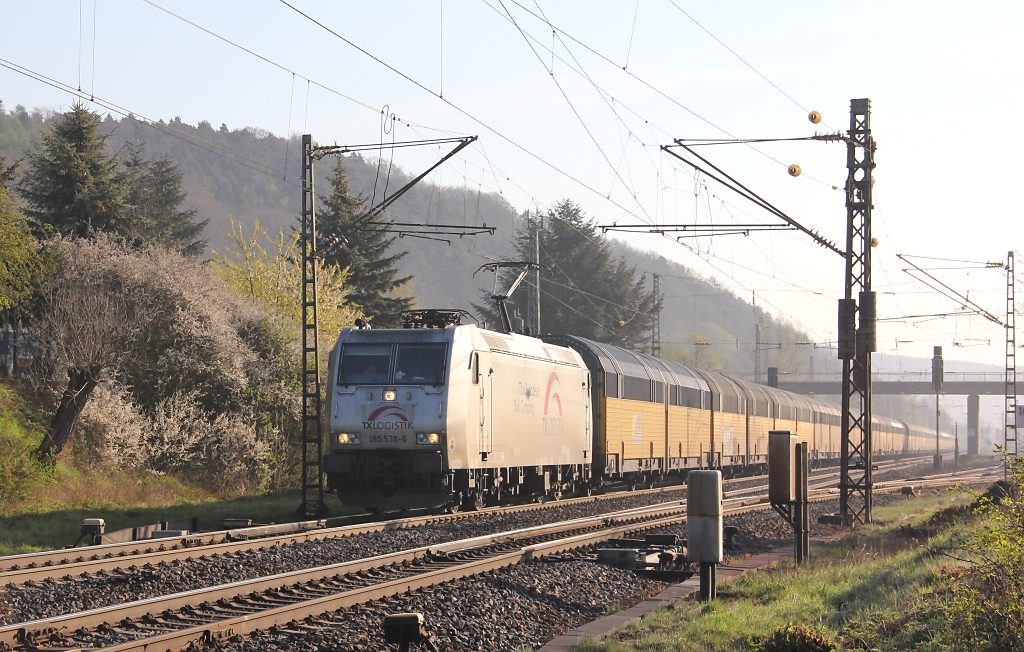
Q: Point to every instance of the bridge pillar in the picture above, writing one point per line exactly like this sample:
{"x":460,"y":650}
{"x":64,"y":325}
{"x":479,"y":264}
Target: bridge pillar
{"x":972,"y":424}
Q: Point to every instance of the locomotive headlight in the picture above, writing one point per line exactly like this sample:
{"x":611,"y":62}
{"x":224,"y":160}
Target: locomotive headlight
{"x":389,"y":395}
{"x":348,"y":438}
{"x":427,"y":438}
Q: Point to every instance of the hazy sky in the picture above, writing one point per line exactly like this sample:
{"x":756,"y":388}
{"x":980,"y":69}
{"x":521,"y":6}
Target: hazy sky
{"x":578,"y":104}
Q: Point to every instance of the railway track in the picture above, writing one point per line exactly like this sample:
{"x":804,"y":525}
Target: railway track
{"x":294,"y":601}
{"x":70,"y":564}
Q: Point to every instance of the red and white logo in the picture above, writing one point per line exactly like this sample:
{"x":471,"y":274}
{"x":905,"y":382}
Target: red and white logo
{"x":551,"y":395}
{"x":387,"y":417}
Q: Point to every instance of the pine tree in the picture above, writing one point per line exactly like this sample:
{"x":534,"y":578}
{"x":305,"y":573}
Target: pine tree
{"x":361,"y":243}
{"x":72,"y":184}
{"x":155,"y":194}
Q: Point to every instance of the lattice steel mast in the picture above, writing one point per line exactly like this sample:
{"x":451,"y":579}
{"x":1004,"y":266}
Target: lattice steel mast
{"x":1010,"y":424}
{"x":312,"y":424}
{"x":857,"y":318}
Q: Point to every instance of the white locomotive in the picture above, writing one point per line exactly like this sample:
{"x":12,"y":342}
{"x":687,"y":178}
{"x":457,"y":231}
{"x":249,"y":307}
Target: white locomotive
{"x":444,"y":414}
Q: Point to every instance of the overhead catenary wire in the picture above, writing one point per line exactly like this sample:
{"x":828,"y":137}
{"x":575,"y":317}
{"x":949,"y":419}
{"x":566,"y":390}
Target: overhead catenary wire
{"x":309,"y":81}
{"x":735,"y":54}
{"x":582,"y":122}
{"x":463,"y":111}
{"x":652,"y":87}
{"x":312,"y":82}
{"x":213,"y":148}
{"x":308,"y":84}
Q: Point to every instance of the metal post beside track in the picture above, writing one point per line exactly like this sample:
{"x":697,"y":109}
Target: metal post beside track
{"x":857,"y":320}
{"x":312,"y":428}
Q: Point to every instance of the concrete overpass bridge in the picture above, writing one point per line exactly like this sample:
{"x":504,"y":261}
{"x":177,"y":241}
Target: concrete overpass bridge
{"x":905,"y":383}
{"x":969,"y":384}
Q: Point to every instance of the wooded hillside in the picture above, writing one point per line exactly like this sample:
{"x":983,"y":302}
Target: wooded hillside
{"x":249,"y":173}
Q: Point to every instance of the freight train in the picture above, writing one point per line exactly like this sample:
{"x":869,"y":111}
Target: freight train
{"x":441,"y":414}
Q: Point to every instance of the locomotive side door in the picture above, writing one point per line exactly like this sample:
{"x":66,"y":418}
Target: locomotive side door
{"x":587,"y":437}
{"x":483,"y":382}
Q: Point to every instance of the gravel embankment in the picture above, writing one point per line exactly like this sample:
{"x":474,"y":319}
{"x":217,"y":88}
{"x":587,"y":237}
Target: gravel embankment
{"x":525,"y":606}
{"x":758,"y":532}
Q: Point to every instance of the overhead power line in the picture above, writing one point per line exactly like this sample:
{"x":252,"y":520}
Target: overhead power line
{"x":281,"y":67}
{"x":949,"y":292}
{"x":644,"y":82}
{"x":493,"y":170}
{"x":464,"y":112}
{"x":213,"y":148}
{"x":582,"y":122}
{"x":735,"y":54}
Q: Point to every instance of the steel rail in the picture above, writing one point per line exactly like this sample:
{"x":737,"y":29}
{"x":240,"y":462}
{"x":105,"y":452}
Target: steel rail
{"x":35,"y":567}
{"x":294,"y":613}
{"x":70,"y":563}
{"x":609,"y":526}
{"x":13,"y":635}
{"x":252,"y":538}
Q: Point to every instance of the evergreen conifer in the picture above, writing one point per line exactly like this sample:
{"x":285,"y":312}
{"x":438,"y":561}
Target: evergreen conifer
{"x":72,"y":184}
{"x":360,"y":242}
{"x":155,"y":194}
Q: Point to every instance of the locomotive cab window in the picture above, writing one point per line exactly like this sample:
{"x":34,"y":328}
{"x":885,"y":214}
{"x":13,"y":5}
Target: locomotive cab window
{"x":365,"y":364}
{"x":420,"y":364}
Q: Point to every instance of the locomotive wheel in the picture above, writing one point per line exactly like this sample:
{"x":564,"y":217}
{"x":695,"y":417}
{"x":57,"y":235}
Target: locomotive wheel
{"x":455,"y":505}
{"x":473,"y":501}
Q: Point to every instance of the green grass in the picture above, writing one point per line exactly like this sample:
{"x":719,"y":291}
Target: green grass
{"x":46,"y":529}
{"x":858,"y":589}
{"x":43,"y":508}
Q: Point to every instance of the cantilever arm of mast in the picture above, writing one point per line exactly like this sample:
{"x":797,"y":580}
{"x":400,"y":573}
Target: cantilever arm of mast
{"x":943,"y":289}
{"x":747,"y":193}
{"x":697,"y":230}
{"x":410,"y":228}
{"x":337,"y":150}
